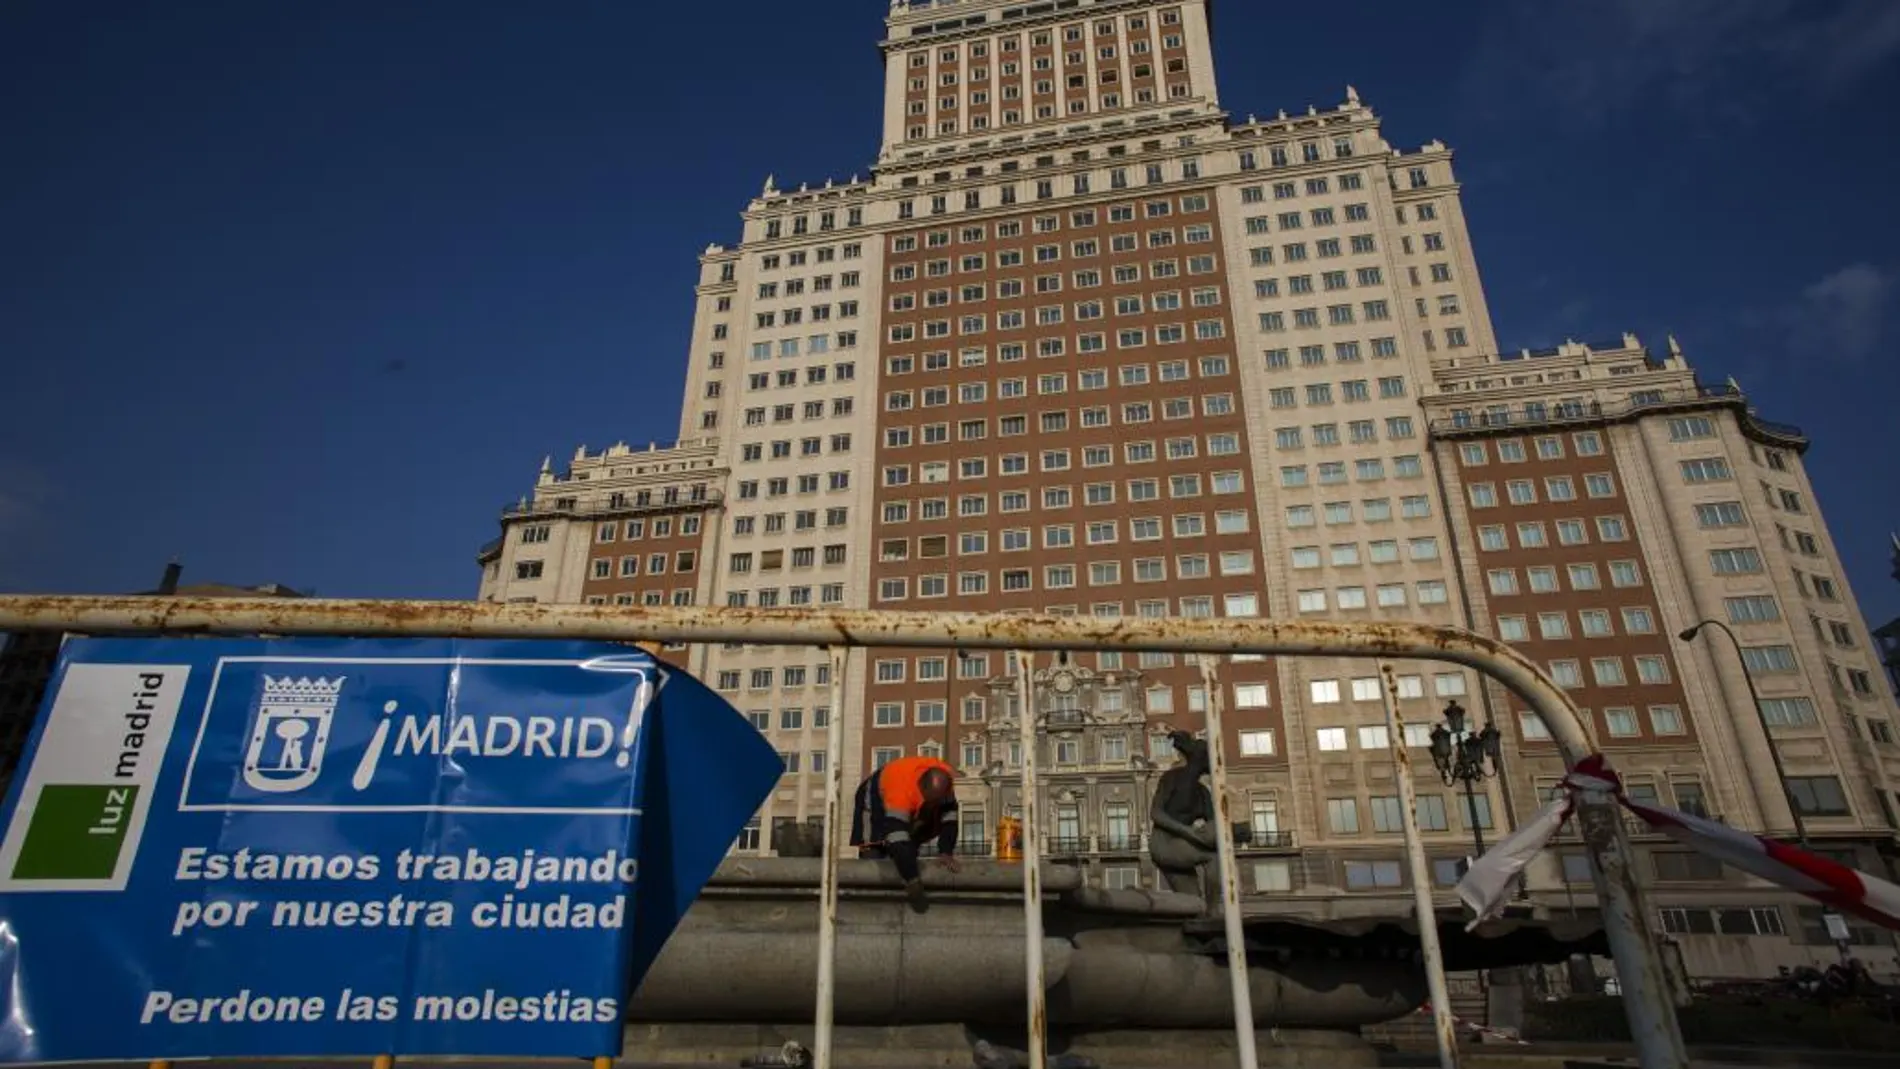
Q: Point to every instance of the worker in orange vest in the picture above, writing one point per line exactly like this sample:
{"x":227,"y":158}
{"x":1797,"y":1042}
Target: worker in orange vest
{"x":902,"y":804}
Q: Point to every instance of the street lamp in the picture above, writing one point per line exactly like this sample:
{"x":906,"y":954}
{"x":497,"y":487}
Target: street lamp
{"x":1467,"y":757}
{"x":1836,"y":929}
{"x":1774,"y":752}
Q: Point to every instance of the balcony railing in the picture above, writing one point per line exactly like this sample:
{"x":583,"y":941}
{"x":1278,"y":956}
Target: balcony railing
{"x":568,"y":506}
{"x":1599,"y":412}
{"x":966,"y":847}
{"x":1246,"y":838}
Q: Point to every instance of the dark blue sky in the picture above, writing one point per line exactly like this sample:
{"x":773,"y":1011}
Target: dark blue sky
{"x":302,"y":292}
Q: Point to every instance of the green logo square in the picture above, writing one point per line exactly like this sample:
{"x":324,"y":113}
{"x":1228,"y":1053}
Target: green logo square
{"x":76,"y":832}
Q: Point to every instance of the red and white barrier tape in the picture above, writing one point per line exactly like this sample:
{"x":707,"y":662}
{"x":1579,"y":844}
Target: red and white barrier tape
{"x":1473,"y":1026}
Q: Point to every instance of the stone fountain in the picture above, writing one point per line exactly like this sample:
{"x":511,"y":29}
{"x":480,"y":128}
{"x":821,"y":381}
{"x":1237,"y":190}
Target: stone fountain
{"x":1133,"y":977}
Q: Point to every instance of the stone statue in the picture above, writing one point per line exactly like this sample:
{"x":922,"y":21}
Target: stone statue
{"x":1182,"y":844}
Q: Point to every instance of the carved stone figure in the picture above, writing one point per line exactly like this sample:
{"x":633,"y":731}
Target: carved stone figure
{"x":1183,"y":844}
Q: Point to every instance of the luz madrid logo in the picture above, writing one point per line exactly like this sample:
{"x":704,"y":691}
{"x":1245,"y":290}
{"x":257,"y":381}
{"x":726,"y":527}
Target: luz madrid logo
{"x":290,"y":733}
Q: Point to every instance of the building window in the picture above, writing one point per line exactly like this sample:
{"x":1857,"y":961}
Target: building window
{"x":1818,"y":796}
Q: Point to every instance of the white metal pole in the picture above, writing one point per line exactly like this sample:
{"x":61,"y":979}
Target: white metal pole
{"x":1646,"y":998}
{"x":1427,"y":913}
{"x":828,"y":880}
{"x":1038,"y":1009}
{"x":1639,"y":968}
{"x":1237,"y":976}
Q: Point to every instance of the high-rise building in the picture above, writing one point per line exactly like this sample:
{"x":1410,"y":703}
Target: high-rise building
{"x":1083,"y":343}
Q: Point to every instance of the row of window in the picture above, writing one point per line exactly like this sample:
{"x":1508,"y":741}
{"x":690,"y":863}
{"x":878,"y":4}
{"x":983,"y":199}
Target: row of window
{"x":1070,"y":576}
{"x":1351,"y":391}
{"x":1387,"y":817}
{"x":634,"y":530}
{"x":1384,"y":595}
{"x":1556,"y":488}
{"x":1320,"y":186}
{"x":798,"y":258}
{"x":1079,"y":219}
{"x":807,"y":484}
{"x":1267,"y":289}
{"x":918,"y":107}
{"x":1118,"y":244}
{"x":1369,"y":510}
{"x":1357,"y":431}
{"x":976,"y":323}
{"x":1534,"y":534}
{"x":790,"y":718}
{"x":1073,"y":33}
{"x":1534,"y":411}
{"x":841,"y":408}
{"x":1056,"y":384}
{"x":1189,"y":484}
{"x":1380,"y":551}
{"x":781,"y":449}
{"x":1129,"y":375}
{"x":1075,"y":57}
{"x":1337,"y":315}
{"x":788,"y":348}
{"x":1652,"y":670}
{"x":656,"y":564}
{"x":772,"y":560}
{"x":1592,"y":623}
{"x":1548,"y":447}
{"x":827,"y":222}
{"x":1366,"y":469}
{"x":650,"y":599}
{"x":1177,"y":90}
{"x":797,"y":287}
{"x":1356,"y":212}
{"x":1094,"y":494}
{"x":1131,"y":304}
{"x":802,"y":520}
{"x":1543,"y":579}
{"x":792,"y":597}
{"x":1299,"y":252}
{"x":1063,"y":536}
{"x":791,"y":676}
{"x":1344,"y":352}
{"x":1220,"y":444}
{"x":1370,"y":689}
{"x":792,"y":317}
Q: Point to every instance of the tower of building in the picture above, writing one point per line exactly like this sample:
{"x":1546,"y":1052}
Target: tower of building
{"x":1085,"y":342}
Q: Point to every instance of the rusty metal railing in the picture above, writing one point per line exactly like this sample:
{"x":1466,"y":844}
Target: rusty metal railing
{"x":1646,"y":997}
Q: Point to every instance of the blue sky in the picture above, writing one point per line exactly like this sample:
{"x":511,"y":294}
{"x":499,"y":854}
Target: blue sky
{"x":302,"y":292}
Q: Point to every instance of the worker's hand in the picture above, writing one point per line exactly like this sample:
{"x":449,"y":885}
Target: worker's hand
{"x":949,"y":861}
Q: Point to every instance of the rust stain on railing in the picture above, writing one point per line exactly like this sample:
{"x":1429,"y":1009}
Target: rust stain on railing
{"x":669,"y":623}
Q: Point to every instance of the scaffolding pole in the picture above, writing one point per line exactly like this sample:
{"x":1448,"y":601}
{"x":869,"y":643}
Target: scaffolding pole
{"x":1645,"y":994}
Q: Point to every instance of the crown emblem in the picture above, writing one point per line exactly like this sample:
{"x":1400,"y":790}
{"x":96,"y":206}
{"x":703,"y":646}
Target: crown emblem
{"x":290,"y":733}
{"x":287,"y":691}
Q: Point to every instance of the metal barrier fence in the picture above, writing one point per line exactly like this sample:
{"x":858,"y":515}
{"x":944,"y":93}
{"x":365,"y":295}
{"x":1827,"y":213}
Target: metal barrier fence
{"x":1646,"y":996}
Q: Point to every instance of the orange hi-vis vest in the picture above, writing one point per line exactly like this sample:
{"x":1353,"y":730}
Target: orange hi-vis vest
{"x":900,"y":785}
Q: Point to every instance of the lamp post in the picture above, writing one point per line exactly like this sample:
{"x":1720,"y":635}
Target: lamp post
{"x":1467,"y":757}
{"x":1768,"y":737}
{"x":1835,"y":926}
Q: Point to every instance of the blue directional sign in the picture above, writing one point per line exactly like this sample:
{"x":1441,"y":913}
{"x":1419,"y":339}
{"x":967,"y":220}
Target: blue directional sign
{"x":271,"y":848}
